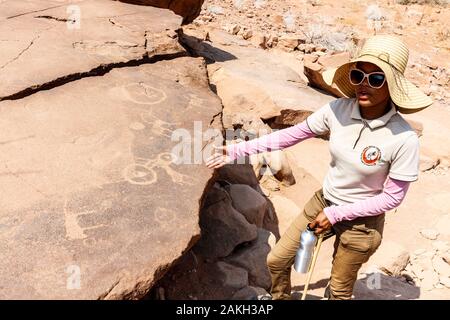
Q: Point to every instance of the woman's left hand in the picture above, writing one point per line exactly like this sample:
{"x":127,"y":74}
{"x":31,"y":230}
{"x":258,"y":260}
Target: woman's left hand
{"x":321,"y":223}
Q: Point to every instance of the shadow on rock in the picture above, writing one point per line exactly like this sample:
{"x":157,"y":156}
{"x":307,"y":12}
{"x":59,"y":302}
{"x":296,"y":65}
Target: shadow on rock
{"x":377,"y":286}
{"x":199,"y":47}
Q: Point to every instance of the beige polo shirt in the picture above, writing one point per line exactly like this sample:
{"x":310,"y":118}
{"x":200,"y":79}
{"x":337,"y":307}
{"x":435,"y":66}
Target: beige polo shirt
{"x":364,"y":152}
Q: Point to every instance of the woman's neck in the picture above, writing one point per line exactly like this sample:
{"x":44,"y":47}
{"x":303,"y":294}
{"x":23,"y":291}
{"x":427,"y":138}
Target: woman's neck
{"x":376,"y":111}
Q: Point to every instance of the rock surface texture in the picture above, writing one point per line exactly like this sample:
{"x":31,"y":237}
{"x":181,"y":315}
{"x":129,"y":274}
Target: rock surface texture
{"x":90,"y":192}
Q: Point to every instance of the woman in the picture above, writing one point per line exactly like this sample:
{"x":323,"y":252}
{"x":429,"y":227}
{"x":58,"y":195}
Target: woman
{"x":375,"y":156}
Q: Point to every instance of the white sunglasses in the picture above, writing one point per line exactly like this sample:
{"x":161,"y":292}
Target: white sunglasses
{"x":375,"y":79}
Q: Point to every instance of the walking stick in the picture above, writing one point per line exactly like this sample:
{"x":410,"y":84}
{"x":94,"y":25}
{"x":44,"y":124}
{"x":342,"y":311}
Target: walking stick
{"x":313,"y":263}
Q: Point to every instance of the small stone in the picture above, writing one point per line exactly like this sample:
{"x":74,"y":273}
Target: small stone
{"x":217,"y":10}
{"x":247,"y":34}
{"x":233,"y":29}
{"x":288,"y":43}
{"x":430,"y":234}
{"x":392,"y":258}
{"x":441,"y":267}
{"x":419,"y":252}
{"x":302,"y":47}
{"x":309,"y":48}
{"x":430,"y":279}
{"x":272,"y":42}
{"x":417,"y":270}
{"x":445,"y":281}
{"x":439,"y":286}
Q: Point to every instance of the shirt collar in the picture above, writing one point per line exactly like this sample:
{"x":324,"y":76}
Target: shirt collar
{"x":374,"y":123}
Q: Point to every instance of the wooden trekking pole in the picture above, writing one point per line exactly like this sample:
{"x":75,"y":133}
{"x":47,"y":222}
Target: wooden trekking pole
{"x":313,"y":263}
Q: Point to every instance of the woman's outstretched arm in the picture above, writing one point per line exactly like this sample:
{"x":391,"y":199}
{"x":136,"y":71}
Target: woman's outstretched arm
{"x":270,"y":142}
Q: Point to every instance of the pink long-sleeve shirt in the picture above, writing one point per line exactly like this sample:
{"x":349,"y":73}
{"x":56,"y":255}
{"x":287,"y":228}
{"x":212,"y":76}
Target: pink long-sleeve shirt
{"x":392,"y":195}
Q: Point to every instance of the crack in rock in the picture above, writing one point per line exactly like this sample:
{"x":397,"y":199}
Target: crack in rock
{"x":97,"y":71}
{"x":55,"y":18}
{"x":20,"y":53}
{"x":29,"y":12}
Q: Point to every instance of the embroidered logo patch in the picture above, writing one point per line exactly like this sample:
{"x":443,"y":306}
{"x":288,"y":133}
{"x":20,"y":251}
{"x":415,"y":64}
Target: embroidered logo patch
{"x":370,"y":155}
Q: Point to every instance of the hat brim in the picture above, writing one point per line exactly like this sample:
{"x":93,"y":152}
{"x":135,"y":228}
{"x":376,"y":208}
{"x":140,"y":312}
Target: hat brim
{"x":404,"y":94}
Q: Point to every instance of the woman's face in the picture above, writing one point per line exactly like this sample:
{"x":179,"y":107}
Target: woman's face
{"x":368,"y":96}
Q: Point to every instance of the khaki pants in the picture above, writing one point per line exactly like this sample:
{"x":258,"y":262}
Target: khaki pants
{"x":355,"y":242}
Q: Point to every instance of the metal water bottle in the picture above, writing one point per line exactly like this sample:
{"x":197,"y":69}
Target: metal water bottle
{"x":305,"y":252}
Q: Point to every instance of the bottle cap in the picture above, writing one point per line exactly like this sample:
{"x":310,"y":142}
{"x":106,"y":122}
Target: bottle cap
{"x":309,"y":228}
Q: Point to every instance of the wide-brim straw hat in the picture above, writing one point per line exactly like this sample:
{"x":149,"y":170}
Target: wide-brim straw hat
{"x":391,"y":55}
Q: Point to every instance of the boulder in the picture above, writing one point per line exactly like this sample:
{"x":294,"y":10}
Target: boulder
{"x":223,"y":228}
{"x":107,"y":34}
{"x":313,"y":71}
{"x":288,"y":43}
{"x":391,"y":258}
{"x":272,"y":42}
{"x":279,"y":167}
{"x":334,"y":60}
{"x":188,"y":9}
{"x":251,"y":127}
{"x":100,"y":181}
{"x":202,"y":280}
{"x":259,"y":40}
{"x":233,"y":29}
{"x":377,"y":286}
{"x":238,"y":174}
{"x":229,"y":276}
{"x":91,"y":190}
{"x":247,"y":34}
{"x":248,"y":202}
{"x":239,"y":75}
{"x":252,"y":258}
